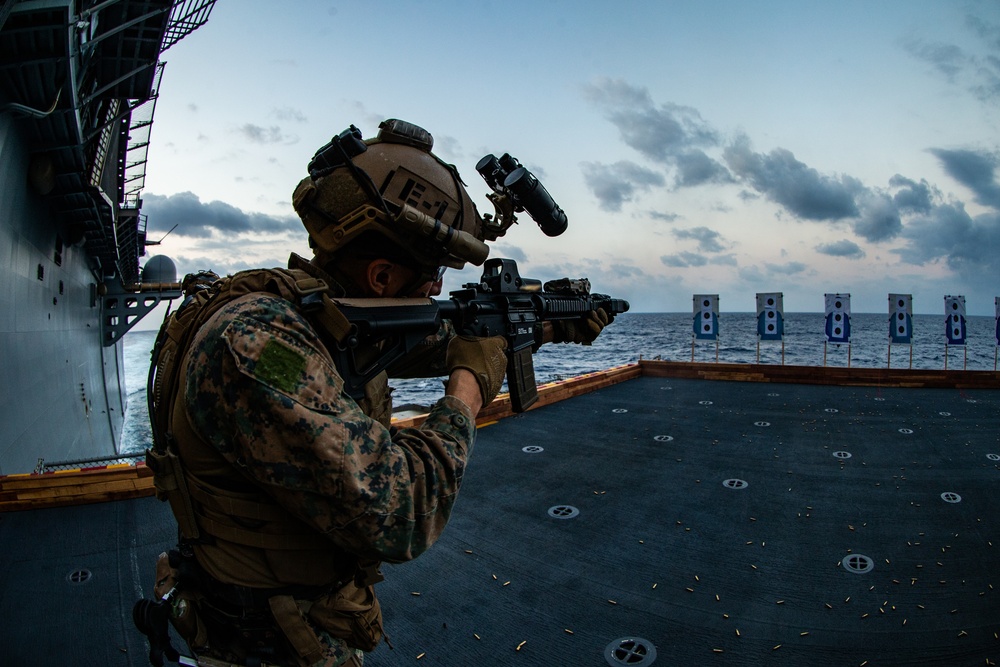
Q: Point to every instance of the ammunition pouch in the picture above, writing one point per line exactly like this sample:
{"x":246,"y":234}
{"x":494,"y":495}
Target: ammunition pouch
{"x":184,"y":618}
{"x":182,"y":612}
{"x":349,"y":613}
{"x":353,"y":614}
{"x":170,"y":485}
{"x":274,"y":625}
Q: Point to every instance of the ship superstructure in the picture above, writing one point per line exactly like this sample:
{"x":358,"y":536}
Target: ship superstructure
{"x":78,"y":87}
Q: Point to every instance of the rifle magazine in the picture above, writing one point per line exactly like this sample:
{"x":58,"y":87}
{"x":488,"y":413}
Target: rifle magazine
{"x":521,"y":379}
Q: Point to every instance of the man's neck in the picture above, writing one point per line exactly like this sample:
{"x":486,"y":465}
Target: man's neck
{"x":338,"y":284}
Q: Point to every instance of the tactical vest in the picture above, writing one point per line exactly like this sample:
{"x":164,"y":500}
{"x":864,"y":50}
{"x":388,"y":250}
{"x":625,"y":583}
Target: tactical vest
{"x":239,"y":535}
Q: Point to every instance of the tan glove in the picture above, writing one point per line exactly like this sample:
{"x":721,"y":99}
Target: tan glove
{"x":484,"y":357}
{"x":583,"y":330}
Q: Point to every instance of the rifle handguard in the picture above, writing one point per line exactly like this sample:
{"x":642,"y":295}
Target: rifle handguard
{"x":584,"y":330}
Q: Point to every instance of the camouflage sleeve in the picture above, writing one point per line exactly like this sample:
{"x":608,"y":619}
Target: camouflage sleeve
{"x":263,"y":391}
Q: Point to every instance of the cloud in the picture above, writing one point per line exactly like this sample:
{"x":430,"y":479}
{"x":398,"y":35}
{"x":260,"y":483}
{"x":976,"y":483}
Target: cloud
{"x":508,"y":251}
{"x":265,"y":135}
{"x":788,"y":269}
{"x":665,"y":217}
{"x":913,"y":210}
{"x":617,"y":278}
{"x":751,"y":275}
{"x":615,"y":93}
{"x":974,"y":170}
{"x":697,"y":168}
{"x":708,"y":239}
{"x":800,"y":189}
{"x":912,"y":197}
{"x":975,"y":64}
{"x":198,"y":219}
{"x":669,"y":134}
{"x":988,"y":32}
{"x":449,"y":147}
{"x":678,"y":137}
{"x":949,"y":59}
{"x":843,"y":248}
{"x":970,"y":246}
{"x":987,"y":68}
{"x":878,"y":219}
{"x":938,"y":230}
{"x":625,"y":271}
{"x":369,"y":120}
{"x":661,"y":134}
{"x":615,"y":184}
{"x":684,"y":259}
{"x":224,"y":265}
{"x":289,"y":114}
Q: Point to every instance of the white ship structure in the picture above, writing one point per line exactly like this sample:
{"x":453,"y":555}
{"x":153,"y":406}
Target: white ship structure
{"x":78,"y":88}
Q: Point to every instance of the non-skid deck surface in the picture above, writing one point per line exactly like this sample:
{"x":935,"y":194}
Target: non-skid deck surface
{"x":705,"y":521}
{"x":664,"y":550}
{"x":69,"y":578}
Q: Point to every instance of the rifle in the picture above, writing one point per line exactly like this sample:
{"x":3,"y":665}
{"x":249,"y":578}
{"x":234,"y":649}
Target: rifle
{"x":502,"y":303}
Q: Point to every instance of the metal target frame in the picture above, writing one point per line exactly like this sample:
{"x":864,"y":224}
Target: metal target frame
{"x":955,"y":328}
{"x":996,"y":331}
{"x":705,"y":324}
{"x":838,"y":314}
{"x":770,"y":320}
{"x":900,"y":310}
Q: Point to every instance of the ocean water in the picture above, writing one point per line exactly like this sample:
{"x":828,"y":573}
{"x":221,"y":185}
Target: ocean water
{"x":667,"y":336}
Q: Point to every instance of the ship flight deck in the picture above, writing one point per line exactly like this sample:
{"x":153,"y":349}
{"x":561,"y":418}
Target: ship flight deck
{"x":660,"y":520}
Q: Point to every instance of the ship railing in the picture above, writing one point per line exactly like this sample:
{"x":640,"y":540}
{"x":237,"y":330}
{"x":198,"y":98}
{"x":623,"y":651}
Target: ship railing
{"x":186,"y":16}
{"x":44,"y":466}
{"x":137,"y":152}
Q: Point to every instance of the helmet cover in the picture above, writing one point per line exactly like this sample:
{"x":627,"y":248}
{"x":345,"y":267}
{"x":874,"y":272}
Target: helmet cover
{"x":394,"y":170}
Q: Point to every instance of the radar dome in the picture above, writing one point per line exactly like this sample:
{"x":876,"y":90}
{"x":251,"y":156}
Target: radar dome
{"x":159,"y":269}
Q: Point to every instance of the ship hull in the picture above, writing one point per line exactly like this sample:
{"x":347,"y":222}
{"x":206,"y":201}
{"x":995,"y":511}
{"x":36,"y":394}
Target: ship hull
{"x":78,"y":86}
{"x":63,"y":396}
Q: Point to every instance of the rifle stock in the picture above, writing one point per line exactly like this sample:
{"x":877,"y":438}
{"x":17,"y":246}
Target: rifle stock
{"x":501,"y":304}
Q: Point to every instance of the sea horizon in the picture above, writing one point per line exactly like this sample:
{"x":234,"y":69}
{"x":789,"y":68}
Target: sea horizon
{"x":668,"y":336}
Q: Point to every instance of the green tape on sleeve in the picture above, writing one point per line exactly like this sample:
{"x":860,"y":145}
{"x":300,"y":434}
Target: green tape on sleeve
{"x":280,"y":366}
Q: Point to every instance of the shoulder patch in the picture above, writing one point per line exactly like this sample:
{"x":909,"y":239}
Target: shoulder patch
{"x":280,"y":366}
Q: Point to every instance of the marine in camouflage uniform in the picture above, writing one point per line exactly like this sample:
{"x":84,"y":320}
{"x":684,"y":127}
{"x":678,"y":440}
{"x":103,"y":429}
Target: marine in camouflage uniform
{"x":288,"y":491}
{"x":293,"y":491}
{"x":263,"y":391}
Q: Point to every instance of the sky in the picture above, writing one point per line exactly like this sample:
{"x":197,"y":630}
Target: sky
{"x":713,"y":147}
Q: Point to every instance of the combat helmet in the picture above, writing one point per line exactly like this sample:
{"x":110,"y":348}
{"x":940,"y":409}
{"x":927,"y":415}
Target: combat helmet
{"x":395,"y":186}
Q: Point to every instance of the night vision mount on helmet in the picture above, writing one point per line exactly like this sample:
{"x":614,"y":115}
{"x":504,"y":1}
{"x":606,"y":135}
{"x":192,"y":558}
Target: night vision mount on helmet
{"x":395,"y":186}
{"x":516,"y":189}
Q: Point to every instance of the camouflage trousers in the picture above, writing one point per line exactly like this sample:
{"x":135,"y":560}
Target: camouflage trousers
{"x":355,"y":660}
{"x":336,"y":653}
{"x":231,"y":646}
{"x":350,"y":658}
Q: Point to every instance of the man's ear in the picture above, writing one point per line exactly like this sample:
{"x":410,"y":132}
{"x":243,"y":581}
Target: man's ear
{"x":384,"y":278}
{"x":378,"y":276}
